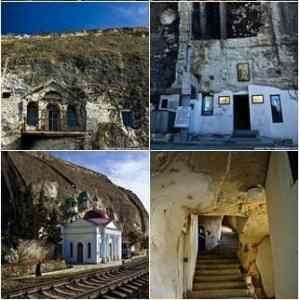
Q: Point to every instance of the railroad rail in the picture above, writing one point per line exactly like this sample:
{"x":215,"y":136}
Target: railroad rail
{"x":123,"y":282}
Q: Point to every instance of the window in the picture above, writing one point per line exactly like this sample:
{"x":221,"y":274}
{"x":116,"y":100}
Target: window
{"x":213,"y":26}
{"x":293,"y":159}
{"x":71,"y":249}
{"x":207,"y":105}
{"x":32,"y":114}
{"x":6,"y":94}
{"x":193,"y":92}
{"x":89,"y":250}
{"x":127,"y":118}
{"x":196,"y":27}
{"x":243,"y":19}
{"x":71,"y":117}
{"x":53,"y":117}
{"x":276,"y":109}
{"x":164,"y":103}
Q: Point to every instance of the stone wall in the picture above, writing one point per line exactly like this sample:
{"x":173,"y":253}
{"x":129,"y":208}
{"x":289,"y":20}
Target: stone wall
{"x":212,"y":226}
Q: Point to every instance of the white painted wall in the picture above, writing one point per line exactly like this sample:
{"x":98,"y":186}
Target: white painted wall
{"x":191,"y":252}
{"x":264,"y":263}
{"x":80,"y":231}
{"x":112,"y":230}
{"x":222,"y":122}
{"x":261,"y":114}
{"x":282,"y":202}
{"x":173,"y":102}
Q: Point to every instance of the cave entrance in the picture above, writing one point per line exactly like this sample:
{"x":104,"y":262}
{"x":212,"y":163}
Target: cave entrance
{"x":241,"y":114}
{"x":215,"y":234}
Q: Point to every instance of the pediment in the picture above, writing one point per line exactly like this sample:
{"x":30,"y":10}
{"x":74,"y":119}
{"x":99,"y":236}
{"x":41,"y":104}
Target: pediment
{"x":51,"y":90}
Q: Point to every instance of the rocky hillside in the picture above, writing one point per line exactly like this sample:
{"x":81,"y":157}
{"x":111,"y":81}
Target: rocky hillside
{"x":107,"y":70}
{"x":35,"y":187}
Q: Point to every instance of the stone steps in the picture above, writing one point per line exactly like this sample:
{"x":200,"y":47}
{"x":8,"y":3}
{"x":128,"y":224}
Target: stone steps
{"x":231,"y":284}
{"x":234,"y":271}
{"x":216,"y":261}
{"x":220,"y":294}
{"x":216,"y":257}
{"x":211,"y":266}
{"x":218,"y":276}
{"x":246,"y":133}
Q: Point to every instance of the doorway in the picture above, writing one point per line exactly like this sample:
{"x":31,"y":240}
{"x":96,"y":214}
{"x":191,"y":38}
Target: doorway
{"x":110,"y":252}
{"x":53,"y":117}
{"x":241,"y":114}
{"x":80,"y":253}
{"x":201,"y":238}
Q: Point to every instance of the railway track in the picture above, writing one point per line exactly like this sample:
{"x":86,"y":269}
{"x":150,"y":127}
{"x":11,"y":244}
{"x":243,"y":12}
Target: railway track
{"x":125,"y":282}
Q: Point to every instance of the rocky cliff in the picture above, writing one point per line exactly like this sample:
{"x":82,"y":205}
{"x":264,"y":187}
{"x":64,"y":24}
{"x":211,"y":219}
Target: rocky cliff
{"x":36,"y":186}
{"x":104,"y":71}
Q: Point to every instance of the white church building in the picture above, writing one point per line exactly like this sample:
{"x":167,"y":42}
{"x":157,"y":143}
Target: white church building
{"x":92,"y":239}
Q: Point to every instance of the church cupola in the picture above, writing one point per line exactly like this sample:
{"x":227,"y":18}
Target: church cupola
{"x":97,"y":215}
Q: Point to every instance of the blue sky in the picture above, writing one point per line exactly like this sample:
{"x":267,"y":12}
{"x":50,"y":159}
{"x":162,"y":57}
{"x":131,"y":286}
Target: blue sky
{"x":129,"y":169}
{"x":39,"y":17}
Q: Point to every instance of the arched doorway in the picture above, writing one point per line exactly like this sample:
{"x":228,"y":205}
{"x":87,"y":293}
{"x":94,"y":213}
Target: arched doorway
{"x":201,"y":239}
{"x":53,"y":117}
{"x":110,"y":252}
{"x":80,"y":253}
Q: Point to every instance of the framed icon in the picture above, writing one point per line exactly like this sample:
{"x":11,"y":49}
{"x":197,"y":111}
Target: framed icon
{"x":224,"y":100}
{"x":243,"y":72}
{"x":257,"y":99}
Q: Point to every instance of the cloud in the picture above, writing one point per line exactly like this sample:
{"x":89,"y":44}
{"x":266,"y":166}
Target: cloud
{"x":132,"y":174}
{"x":138,"y":14}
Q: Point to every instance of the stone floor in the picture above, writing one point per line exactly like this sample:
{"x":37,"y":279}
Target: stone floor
{"x":221,"y":142}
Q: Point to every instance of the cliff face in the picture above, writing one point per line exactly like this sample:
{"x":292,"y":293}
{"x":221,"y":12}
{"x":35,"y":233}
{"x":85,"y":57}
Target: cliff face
{"x":103,"y":73}
{"x":36,"y":186}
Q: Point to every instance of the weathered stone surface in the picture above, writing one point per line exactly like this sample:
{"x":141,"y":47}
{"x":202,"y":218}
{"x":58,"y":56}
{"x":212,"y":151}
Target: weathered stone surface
{"x":101,"y":73}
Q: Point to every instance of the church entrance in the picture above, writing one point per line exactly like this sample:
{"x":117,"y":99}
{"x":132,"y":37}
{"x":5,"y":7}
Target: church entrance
{"x":80,"y":253}
{"x":241,"y":112}
{"x":110,"y":252}
{"x":53,"y":117}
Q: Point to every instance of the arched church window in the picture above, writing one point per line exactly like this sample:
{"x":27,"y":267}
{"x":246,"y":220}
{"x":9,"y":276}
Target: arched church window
{"x":89,"y":250}
{"x":71,"y":249}
{"x":71,"y":117}
{"x":32,"y":114}
{"x":53,"y":117}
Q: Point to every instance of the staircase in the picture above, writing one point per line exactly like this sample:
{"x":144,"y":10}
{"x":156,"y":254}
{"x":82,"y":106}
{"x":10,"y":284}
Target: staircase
{"x":246,"y":134}
{"x":218,"y":273}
